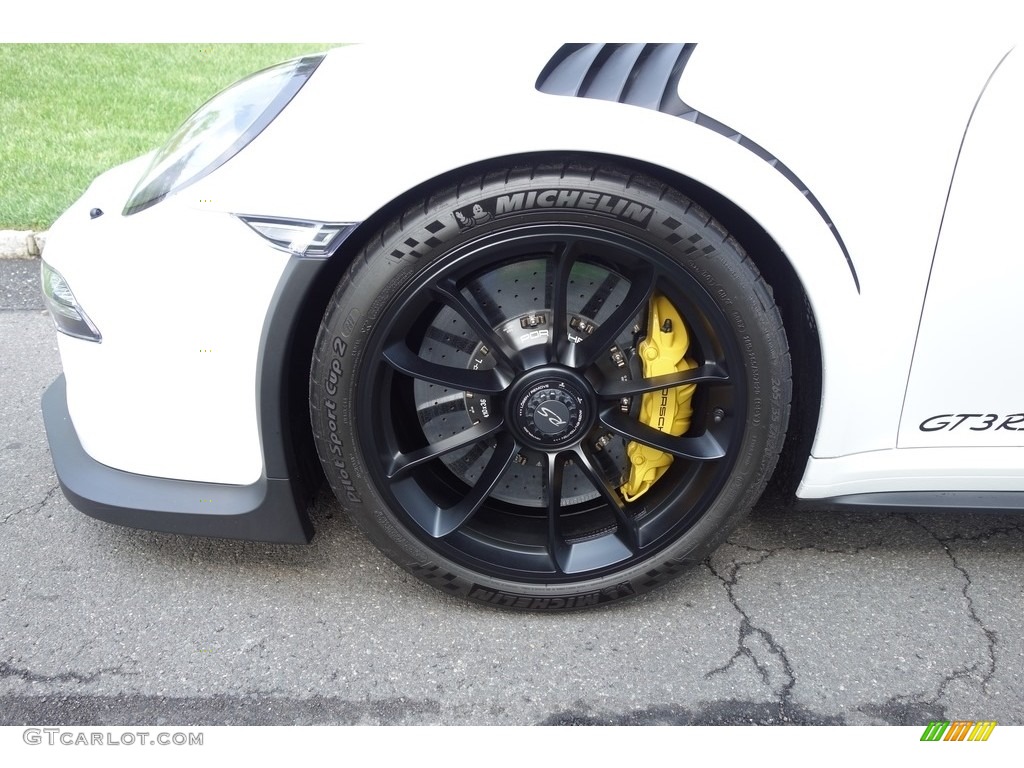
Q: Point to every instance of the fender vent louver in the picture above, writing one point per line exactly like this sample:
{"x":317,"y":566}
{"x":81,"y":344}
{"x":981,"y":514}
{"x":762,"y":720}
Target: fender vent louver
{"x":647,"y":75}
{"x":641,"y":75}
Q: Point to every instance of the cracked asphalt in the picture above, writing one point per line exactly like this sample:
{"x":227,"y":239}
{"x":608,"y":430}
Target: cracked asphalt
{"x":859,"y":617}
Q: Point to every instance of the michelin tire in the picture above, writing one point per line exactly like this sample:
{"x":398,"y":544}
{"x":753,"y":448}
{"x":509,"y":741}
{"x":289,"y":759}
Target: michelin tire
{"x":476,"y":386}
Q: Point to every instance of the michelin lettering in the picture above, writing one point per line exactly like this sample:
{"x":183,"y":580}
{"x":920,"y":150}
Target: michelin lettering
{"x":504,"y":205}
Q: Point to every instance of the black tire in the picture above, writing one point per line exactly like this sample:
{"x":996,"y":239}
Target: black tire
{"x":435,"y":338}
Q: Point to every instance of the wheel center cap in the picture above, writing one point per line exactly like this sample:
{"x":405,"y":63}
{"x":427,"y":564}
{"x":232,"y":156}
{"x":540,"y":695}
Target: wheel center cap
{"x":552,"y":416}
{"x":551,"y":412}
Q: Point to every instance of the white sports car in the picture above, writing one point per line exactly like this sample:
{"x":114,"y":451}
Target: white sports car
{"x":546,"y":319}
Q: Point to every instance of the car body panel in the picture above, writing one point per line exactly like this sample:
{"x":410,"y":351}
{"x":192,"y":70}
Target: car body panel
{"x":962,"y":386}
{"x":959,"y":422}
{"x":180,"y":295}
{"x":874,"y":134}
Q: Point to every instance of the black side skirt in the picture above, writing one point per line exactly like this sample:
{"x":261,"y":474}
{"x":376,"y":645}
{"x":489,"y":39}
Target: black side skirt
{"x":923,"y":501}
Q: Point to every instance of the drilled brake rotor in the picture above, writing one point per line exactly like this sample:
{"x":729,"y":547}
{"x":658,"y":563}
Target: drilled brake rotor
{"x":516,"y":300}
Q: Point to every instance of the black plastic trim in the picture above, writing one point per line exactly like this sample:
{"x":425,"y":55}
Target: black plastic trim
{"x":982,"y":501}
{"x":267,"y":510}
{"x":648,"y":76}
{"x":283,"y":372}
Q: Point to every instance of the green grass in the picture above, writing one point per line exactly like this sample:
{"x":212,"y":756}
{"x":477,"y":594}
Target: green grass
{"x":69,"y":112}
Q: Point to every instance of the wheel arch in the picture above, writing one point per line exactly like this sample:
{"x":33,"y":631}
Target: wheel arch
{"x":314,"y":295}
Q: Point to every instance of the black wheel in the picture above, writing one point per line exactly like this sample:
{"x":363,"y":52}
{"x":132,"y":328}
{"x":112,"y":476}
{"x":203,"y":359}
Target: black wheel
{"x":550,"y":388}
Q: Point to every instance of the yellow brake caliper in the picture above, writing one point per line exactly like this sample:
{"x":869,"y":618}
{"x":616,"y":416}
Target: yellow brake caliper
{"x":667,"y":410}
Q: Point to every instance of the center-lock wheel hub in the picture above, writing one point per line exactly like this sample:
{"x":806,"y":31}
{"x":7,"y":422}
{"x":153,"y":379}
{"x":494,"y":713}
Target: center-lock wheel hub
{"x":552,"y":409}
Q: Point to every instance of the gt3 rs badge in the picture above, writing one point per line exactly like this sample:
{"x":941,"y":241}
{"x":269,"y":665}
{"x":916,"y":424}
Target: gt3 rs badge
{"x":976,"y":422}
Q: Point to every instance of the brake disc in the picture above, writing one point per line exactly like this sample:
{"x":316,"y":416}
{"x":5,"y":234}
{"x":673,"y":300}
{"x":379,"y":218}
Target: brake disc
{"x":516,"y":300}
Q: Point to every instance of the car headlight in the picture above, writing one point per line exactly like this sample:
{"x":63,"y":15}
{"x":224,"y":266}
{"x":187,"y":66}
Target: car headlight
{"x":220,"y":129}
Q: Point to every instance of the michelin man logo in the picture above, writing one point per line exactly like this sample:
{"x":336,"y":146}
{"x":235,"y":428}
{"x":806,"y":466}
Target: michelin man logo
{"x":472,"y":217}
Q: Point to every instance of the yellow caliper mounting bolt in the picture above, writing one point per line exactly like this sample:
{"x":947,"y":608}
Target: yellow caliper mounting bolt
{"x":667,"y":410}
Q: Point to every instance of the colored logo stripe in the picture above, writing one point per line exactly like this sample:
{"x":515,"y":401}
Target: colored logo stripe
{"x":982,"y":730}
{"x":958,"y":730}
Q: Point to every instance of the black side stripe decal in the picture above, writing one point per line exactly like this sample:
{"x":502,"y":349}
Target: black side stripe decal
{"x":647,"y":75}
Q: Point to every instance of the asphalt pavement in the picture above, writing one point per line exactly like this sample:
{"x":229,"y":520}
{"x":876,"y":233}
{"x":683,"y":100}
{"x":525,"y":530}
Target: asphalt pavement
{"x":802,"y":617}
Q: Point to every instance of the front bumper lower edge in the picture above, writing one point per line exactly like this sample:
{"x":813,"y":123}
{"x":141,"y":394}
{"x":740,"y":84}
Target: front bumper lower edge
{"x":267,"y":510}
